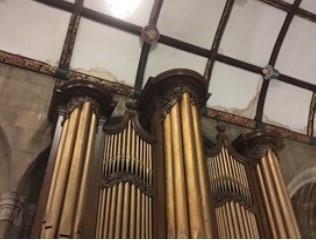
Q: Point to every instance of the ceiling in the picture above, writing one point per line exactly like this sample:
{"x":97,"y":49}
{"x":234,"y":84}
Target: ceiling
{"x":229,"y":42}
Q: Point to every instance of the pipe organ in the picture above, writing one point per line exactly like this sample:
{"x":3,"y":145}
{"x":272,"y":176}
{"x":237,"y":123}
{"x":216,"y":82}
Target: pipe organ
{"x":235,"y":212}
{"x":149,"y":175}
{"x":261,"y":149}
{"x":125,"y":196}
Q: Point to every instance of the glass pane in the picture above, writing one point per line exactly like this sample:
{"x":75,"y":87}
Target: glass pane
{"x":134,"y":11}
{"x":309,"y":5}
{"x":251,"y":32}
{"x":191,"y":21}
{"x":33,"y":30}
{"x":297,"y":56}
{"x":106,"y":52}
{"x":234,"y":90}
{"x":287,"y":106}
{"x":163,"y":58}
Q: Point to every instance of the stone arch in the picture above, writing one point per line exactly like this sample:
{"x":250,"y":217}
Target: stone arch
{"x":302,"y":190}
{"x":306,"y":176}
{"x":29,"y":189}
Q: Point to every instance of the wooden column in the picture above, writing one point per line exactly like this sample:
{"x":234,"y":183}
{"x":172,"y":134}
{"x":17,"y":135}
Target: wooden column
{"x":187,"y":209}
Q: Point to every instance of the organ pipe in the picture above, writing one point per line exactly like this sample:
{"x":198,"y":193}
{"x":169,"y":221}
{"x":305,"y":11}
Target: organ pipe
{"x":179,"y":94}
{"x":63,"y":204}
{"x":261,"y":148}
{"x":125,"y":210}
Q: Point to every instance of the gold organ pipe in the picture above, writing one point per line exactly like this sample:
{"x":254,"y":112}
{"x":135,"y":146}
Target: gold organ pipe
{"x":182,"y":220}
{"x":146,"y":196}
{"x":191,"y":169}
{"x":235,"y":219}
{"x":254,"y":222}
{"x":229,"y":221}
{"x":234,"y":173}
{"x":126,"y":210}
{"x":244,"y":220}
{"x":126,"y":206}
{"x":273,"y":199}
{"x":221,"y":186}
{"x":230,"y":177}
{"x":79,"y":213}
{"x":54,"y":211}
{"x":202,"y":174}
{"x":285,"y":205}
{"x":113,"y":191}
{"x":142,"y":161}
{"x":219,"y":223}
{"x":225,"y":221}
{"x":251,"y":226}
{"x":150,"y":199}
{"x":143,"y":223}
{"x":113,"y":207}
{"x":217,"y":175}
{"x":138,"y":213}
{"x":108,"y":190}
{"x":239,"y":179}
{"x":133,"y":187}
{"x":55,"y":172}
{"x":240,"y":220}
{"x":170,"y":202}
{"x":118,"y":215}
{"x":106,"y":155}
{"x":225,"y":171}
{"x":272,"y":224}
{"x":138,"y":192}
{"x":243,"y":179}
{"x":100,"y":215}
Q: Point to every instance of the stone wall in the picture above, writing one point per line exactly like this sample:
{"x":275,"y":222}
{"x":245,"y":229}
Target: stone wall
{"x":24,"y":129}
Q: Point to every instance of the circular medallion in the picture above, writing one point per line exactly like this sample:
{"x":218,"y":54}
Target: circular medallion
{"x":150,"y":34}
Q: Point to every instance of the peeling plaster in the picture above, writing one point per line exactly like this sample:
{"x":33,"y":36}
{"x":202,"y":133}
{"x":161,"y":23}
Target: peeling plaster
{"x":98,"y":72}
{"x":276,"y":123}
{"x":249,"y":111}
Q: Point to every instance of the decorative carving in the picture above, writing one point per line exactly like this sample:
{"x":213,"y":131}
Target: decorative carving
{"x":249,"y":123}
{"x":270,"y":72}
{"x":27,"y":63}
{"x":117,"y":177}
{"x":150,"y":34}
{"x":230,"y":118}
{"x":258,"y":151}
{"x":112,"y":86}
{"x":78,"y":101}
{"x":172,"y":96}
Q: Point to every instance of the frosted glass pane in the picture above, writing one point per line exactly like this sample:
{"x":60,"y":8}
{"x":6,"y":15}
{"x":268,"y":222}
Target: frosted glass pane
{"x":106,"y":52}
{"x":164,"y":58}
{"x":234,"y":90}
{"x":33,"y":30}
{"x":309,"y":5}
{"x":287,"y":106}
{"x":251,"y":31}
{"x":134,"y":11}
{"x":297,"y":56}
{"x":191,"y":21}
